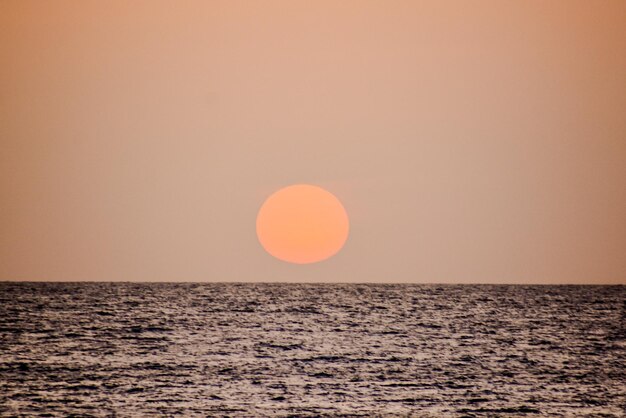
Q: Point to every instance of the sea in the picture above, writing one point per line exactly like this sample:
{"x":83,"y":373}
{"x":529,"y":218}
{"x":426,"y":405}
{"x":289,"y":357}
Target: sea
{"x":311,"y":350}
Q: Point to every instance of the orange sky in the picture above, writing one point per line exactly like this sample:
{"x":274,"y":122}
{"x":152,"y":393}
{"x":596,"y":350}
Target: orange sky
{"x":480,"y":141}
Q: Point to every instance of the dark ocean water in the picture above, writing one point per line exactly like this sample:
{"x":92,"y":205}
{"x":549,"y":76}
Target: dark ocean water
{"x":107,"y":349}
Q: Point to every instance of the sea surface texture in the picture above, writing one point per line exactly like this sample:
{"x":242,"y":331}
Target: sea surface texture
{"x":254,"y":350}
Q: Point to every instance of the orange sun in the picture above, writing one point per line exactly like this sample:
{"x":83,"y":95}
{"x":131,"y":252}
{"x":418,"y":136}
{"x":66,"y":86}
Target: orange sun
{"x":302,"y":224}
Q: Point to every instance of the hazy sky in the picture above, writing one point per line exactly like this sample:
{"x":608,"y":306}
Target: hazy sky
{"x":469,"y":141}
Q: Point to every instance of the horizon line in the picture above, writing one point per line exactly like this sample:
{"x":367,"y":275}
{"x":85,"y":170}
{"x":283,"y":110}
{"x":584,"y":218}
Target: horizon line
{"x":314,"y":282}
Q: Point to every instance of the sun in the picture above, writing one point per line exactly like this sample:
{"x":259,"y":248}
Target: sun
{"x":302,"y":224}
